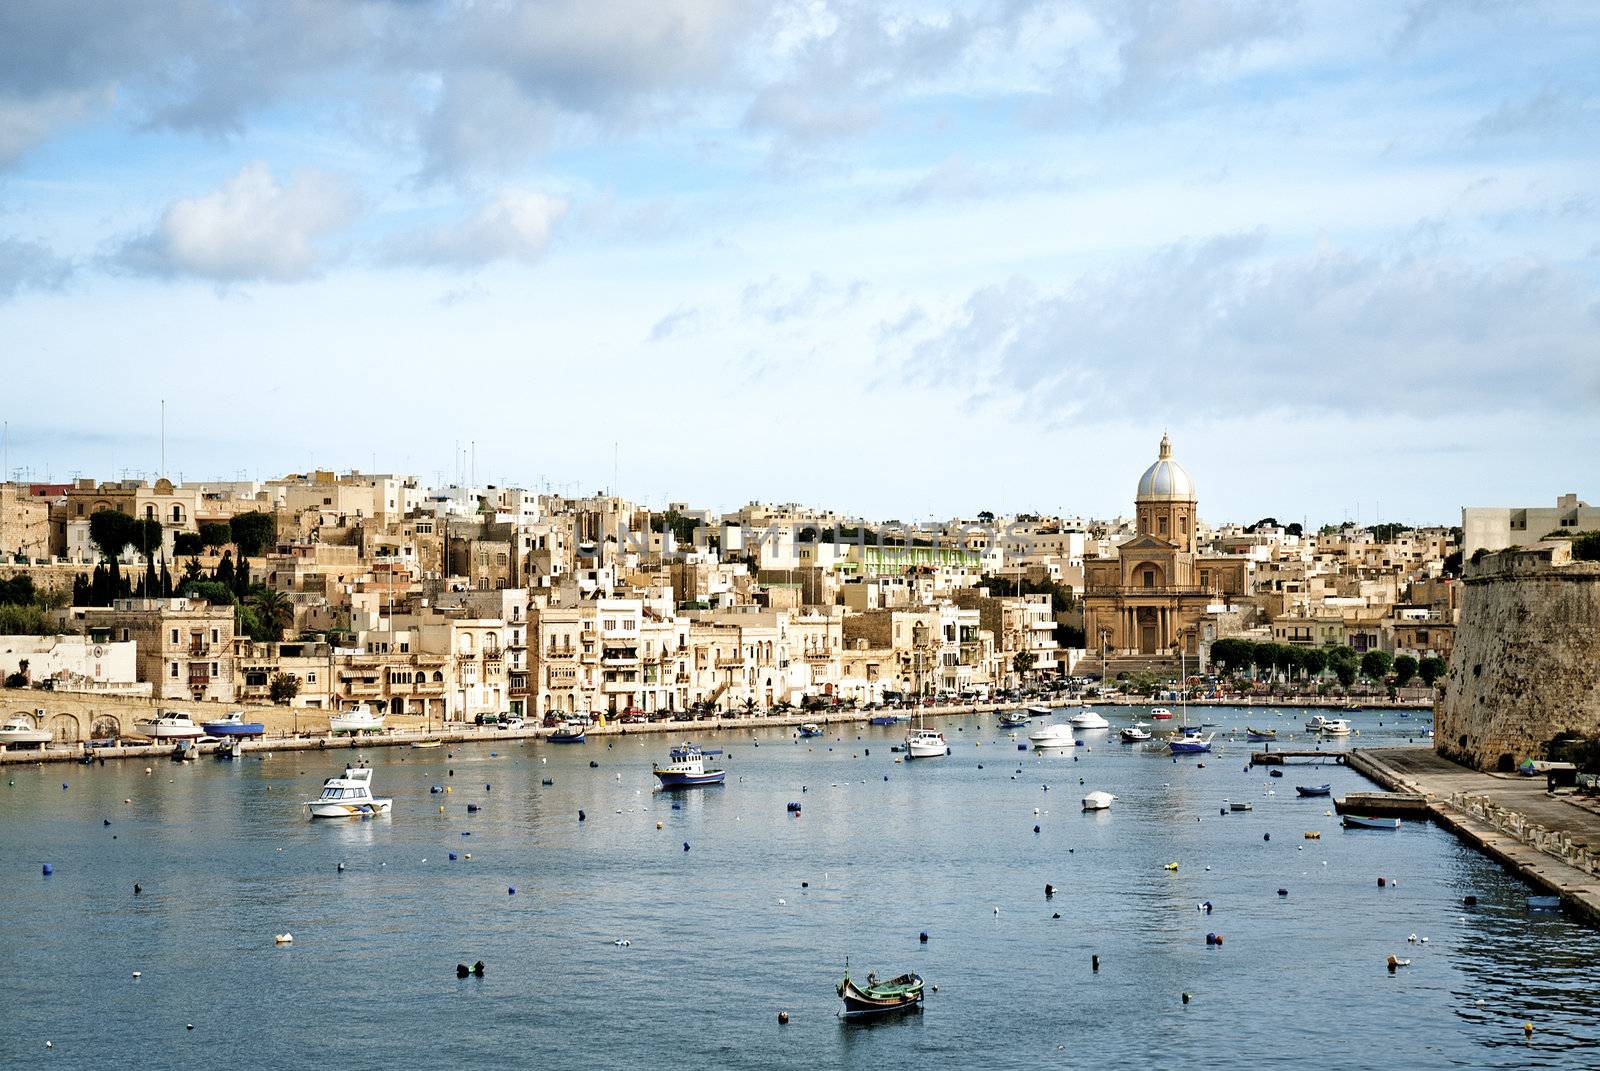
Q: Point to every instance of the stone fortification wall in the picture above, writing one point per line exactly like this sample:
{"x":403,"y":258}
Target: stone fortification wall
{"x":1526,"y":664}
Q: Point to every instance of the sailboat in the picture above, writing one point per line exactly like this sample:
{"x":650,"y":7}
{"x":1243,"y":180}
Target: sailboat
{"x":925,"y":743}
{"x":1191,"y":740}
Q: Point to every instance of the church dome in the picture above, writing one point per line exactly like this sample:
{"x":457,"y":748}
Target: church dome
{"x":1166,"y":480}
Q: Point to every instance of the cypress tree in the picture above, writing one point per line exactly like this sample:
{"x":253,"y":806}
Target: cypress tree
{"x":224,"y":573}
{"x":166,"y":581}
{"x":80,"y":590}
{"x":241,"y":577}
{"x":114,"y":581}
{"x":151,"y":585}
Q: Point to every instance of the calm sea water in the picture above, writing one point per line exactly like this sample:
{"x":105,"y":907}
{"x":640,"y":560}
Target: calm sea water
{"x":724,"y":936}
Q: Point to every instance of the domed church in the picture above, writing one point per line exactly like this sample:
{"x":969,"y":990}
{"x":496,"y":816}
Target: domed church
{"x":1154,"y":596}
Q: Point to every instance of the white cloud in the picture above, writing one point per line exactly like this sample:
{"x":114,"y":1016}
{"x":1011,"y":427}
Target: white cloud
{"x":252,"y":229}
{"x":26,"y":265}
{"x":512,"y":225}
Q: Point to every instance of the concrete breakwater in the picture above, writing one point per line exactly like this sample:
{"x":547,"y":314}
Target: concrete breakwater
{"x":1550,"y":840}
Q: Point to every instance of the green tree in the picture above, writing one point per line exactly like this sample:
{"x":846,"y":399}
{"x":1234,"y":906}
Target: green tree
{"x":1315,"y":660}
{"x":253,"y":531}
{"x":1346,"y":672}
{"x":1431,"y":668}
{"x":215,"y":534}
{"x":26,"y":621}
{"x":1586,"y":546}
{"x":1405,"y":667}
{"x":224,"y":573}
{"x":17,"y":590}
{"x":1264,"y":656}
{"x":209,"y":590}
{"x":274,"y":610}
{"x":1022,"y":662}
{"x":110,"y":531}
{"x":186,"y":543}
{"x":1375,"y":665}
{"x":283,"y":687}
{"x":241,"y":577}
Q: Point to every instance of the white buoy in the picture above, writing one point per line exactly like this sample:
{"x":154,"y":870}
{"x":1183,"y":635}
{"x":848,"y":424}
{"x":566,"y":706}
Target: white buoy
{"x":284,"y":939}
{"x":136,"y":974}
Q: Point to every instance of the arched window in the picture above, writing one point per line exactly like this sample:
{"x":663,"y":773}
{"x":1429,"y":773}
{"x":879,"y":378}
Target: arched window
{"x":177,"y":514}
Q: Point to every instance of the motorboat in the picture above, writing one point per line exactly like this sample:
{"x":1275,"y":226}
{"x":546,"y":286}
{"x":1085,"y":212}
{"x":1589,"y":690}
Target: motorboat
{"x":185,"y":751}
{"x":1190,"y":742}
{"x":348,"y":796}
{"x":1335,"y":727}
{"x":1098,"y":801}
{"x":1316,"y":722}
{"x":1135,"y":733}
{"x":358,"y":719}
{"x":1361,"y":821}
{"x":687,"y":768}
{"x":571,"y":731}
{"x":1257,"y":736}
{"x":234,"y":725}
{"x":810,"y":729}
{"x":1242,"y":805}
{"x":20,"y":730}
{"x":1039,"y":710}
{"x":1047,"y":736}
{"x":926,"y":744}
{"x":1314,"y":790}
{"x":878,"y":998}
{"x":1089,"y":719}
{"x":882,"y":719}
{"x":1161,"y":714}
{"x":426,"y":745}
{"x":1012,"y":719}
{"x":169,"y":727}
{"x":229,"y":750}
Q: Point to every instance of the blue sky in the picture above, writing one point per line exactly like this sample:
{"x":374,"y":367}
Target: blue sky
{"x":899,"y":260}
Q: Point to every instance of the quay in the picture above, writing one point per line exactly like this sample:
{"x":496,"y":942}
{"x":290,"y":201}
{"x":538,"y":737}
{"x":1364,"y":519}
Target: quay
{"x":1299,"y":758}
{"x":1552,"y":839}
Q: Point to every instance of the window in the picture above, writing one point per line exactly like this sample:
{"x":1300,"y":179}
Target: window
{"x":177,"y":514}
{"x":311,"y":678}
{"x":215,"y":636}
{"x":214,"y":669}
{"x":174,"y":673}
{"x":1149,"y":578}
{"x":174,"y":635}
{"x":1162,"y":526}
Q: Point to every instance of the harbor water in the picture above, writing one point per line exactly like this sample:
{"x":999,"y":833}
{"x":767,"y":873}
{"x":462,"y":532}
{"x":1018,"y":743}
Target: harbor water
{"x":628,"y":945}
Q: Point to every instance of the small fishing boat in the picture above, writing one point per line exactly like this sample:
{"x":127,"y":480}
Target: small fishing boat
{"x":185,"y":751}
{"x":926,"y":744}
{"x":1190,"y":742}
{"x":1316,"y":722}
{"x":229,"y":750}
{"x":1136,"y":732}
{"x":358,"y":719}
{"x":882,"y":719}
{"x":1161,"y":714}
{"x":1048,"y":736}
{"x":169,"y":727}
{"x":1244,"y":805}
{"x":1361,"y":821}
{"x":1012,"y":719}
{"x":1098,"y":801}
{"x":19,"y":730}
{"x":1314,"y":790}
{"x":1258,"y":735}
{"x":810,"y":729}
{"x":425,"y":745}
{"x":348,"y":796}
{"x":1089,"y":719}
{"x":687,"y":768}
{"x":570,"y":731}
{"x":1335,"y":727}
{"x":234,"y":725}
{"x":1039,"y":710}
{"x":878,"y":998}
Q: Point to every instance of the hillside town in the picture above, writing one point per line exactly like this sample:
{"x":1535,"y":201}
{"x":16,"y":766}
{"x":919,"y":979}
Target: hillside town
{"x":454,"y":603}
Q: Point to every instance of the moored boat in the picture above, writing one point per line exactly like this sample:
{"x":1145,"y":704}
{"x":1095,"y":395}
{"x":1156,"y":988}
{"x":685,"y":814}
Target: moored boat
{"x":1316,"y":722}
{"x":1089,"y":719}
{"x":1314,"y":790}
{"x":810,"y":729}
{"x":234,"y":725}
{"x":926,"y":744}
{"x":878,"y":998}
{"x":1098,"y":801}
{"x":424,"y":745}
{"x":1161,"y":714}
{"x":1039,"y":710}
{"x":1362,"y":821}
{"x":20,"y":730}
{"x":1136,"y":732}
{"x":1190,"y":742}
{"x":1258,"y":735}
{"x":169,"y":727}
{"x":1047,"y":736}
{"x":1012,"y":719}
{"x":358,"y":719}
{"x":687,"y":768}
{"x":1242,"y":805}
{"x":882,"y":719}
{"x":1335,"y":727}
{"x":571,"y":731}
{"x":348,"y":796}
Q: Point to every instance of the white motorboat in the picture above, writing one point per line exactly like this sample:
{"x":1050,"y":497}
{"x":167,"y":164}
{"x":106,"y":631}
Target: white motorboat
{"x":1335,"y":727}
{"x":1098,"y":801}
{"x":1089,"y":720}
{"x":1136,"y":732}
{"x":1161,"y":714}
{"x":20,"y":730}
{"x":170,"y":727}
{"x":1047,"y":736}
{"x":348,"y":796}
{"x":358,"y":719}
{"x":1316,"y":722}
{"x":1039,"y":710}
{"x":926,"y":744}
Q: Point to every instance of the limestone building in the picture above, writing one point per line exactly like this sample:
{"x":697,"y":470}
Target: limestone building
{"x":1151,"y":596}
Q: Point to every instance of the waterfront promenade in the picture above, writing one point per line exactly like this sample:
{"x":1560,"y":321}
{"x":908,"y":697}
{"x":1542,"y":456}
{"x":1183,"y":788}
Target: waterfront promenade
{"x":1551,"y":840}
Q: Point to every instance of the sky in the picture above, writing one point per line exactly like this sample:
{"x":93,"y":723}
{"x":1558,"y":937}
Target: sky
{"x":898,"y":260}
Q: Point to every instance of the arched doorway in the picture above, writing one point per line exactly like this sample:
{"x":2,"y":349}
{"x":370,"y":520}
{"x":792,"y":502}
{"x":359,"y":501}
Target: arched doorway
{"x":1148,"y":618}
{"x":105,"y":727}
{"x":64,"y":728}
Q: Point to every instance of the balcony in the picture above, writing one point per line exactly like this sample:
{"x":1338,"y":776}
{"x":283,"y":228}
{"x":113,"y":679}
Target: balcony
{"x":819,"y":656}
{"x":199,"y":679}
{"x":198,"y":648}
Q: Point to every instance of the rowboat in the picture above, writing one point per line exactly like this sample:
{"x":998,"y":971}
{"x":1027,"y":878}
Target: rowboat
{"x":1257,"y":735}
{"x":425,"y":745}
{"x":879,"y":998}
{"x":1012,"y":719}
{"x":1314,"y":790}
{"x":569,"y":732}
{"x":1361,"y":821}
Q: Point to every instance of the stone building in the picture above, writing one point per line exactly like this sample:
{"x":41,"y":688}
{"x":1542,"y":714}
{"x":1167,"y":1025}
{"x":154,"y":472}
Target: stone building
{"x":1150,"y":597}
{"x":185,"y":646}
{"x":1526,"y":663}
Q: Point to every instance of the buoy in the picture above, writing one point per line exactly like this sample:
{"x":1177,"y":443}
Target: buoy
{"x":782,"y":902}
{"x":511,"y":890}
{"x":783,"y":1018}
{"x":188,"y":1026}
{"x":805,"y":885}
{"x":1527,"y":1029}
{"x":341,"y":868}
{"x":1470,"y":901}
{"x":1266,"y":836}
{"x":1170,"y":866}
{"x":137,"y":888}
{"x":922,"y":937}
{"x":105,"y":821}
{"x":1283,"y":892}
{"x":1049,"y":890}
{"x":1094,"y":963}
{"x":581,"y":816}
{"x":283,"y":939}
{"x":477,"y":968}
{"x":1382,"y":882}
{"x":136,"y":974}
{"x":1395,"y":961}
{"x":1036,"y":827}
{"x":48,"y":870}
{"x":685,"y":845}
{"x":1186,"y":998}
{"x":1056,"y":915}
{"x":658,"y":825}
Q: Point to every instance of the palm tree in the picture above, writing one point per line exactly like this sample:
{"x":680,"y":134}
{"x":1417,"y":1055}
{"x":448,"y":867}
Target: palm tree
{"x":274,"y":609}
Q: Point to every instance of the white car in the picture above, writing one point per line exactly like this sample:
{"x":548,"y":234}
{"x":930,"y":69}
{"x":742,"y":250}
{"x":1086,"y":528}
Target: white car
{"x":514,"y":723}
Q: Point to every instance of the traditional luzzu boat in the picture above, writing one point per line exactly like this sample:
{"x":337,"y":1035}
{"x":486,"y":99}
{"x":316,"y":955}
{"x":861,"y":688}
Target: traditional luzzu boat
{"x":348,"y":796}
{"x":879,"y":998}
{"x":234,"y":725}
{"x":1012,"y":719}
{"x":1258,"y":735}
{"x":687,"y":768}
{"x":570,"y":731}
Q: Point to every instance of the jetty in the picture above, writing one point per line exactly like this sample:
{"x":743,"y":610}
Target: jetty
{"x":1299,"y":758}
{"x":1550,"y":838}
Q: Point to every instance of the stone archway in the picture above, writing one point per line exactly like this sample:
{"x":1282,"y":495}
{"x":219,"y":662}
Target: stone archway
{"x":64,"y":728}
{"x":27,"y":716}
{"x":105,"y":727}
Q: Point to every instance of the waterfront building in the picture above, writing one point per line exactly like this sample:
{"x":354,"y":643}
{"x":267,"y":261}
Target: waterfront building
{"x":184,"y":646}
{"x":1496,"y":528}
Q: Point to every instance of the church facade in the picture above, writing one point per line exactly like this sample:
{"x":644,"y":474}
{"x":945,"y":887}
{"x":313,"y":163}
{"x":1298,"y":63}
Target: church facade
{"x":1153,"y":595}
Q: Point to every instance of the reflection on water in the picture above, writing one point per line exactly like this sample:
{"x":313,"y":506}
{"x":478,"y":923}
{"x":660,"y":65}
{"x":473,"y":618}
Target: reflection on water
{"x":760,"y":914}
